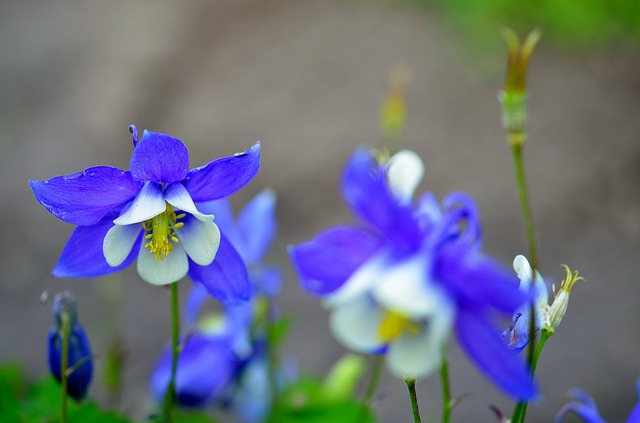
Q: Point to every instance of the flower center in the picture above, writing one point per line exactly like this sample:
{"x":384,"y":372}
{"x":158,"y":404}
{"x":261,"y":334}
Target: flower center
{"x":161,"y":232}
{"x":395,"y":324}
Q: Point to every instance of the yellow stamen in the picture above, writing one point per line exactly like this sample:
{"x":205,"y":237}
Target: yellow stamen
{"x":162,"y":232}
{"x":395,"y":324}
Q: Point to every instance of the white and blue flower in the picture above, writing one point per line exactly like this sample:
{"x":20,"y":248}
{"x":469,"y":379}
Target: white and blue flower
{"x":151,"y":213}
{"x":406,"y":276}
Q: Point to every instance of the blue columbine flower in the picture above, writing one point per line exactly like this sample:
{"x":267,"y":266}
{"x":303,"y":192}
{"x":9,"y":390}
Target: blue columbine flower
{"x":151,"y":212}
{"x":78,"y":381}
{"x":585,"y":407}
{"x":406,"y":275}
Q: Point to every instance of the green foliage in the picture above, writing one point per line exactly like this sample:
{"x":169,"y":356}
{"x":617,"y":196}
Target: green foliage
{"x":577,"y":24}
{"x":40,"y":403}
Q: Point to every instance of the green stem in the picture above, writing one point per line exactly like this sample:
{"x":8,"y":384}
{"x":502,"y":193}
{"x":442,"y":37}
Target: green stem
{"x":169,"y":398}
{"x":378,"y":361}
{"x":64,"y":363}
{"x":520,"y":411}
{"x":411,"y":385}
{"x":446,"y":390}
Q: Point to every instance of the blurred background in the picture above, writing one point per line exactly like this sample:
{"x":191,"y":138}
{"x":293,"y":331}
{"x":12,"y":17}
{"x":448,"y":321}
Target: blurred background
{"x":308,"y":78}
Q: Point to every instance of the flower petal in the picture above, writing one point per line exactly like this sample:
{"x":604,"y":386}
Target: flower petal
{"x":365,"y":191}
{"x":224,"y":176}
{"x":119,"y":241}
{"x":178,"y":196}
{"x":327,"y":261}
{"x":199,"y":239}
{"x":419,"y":355}
{"x":404,"y":288}
{"x":484,"y":346}
{"x":205,"y":368}
{"x":257,"y":225}
{"x":147,"y":204}
{"x":404,"y":173}
{"x":163,"y":272}
{"x":226,"y":278}
{"x":85,"y":197}
{"x":223,"y":213}
{"x":478,"y":279}
{"x":159,"y":158}
{"x":584,"y":407}
{"x":83,"y":255}
{"x":355,"y":324}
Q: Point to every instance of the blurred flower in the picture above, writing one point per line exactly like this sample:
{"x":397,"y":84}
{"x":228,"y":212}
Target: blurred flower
{"x":406,"y":276}
{"x":517,"y":335}
{"x":79,"y":358}
{"x":585,"y":408}
{"x":155,"y":201}
{"x":224,"y":359}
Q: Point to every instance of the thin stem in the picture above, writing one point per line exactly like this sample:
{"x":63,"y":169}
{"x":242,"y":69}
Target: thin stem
{"x":446,"y":390}
{"x":169,"y":398}
{"x":520,"y":411}
{"x":411,"y":385}
{"x":378,"y":361}
{"x":64,"y":363}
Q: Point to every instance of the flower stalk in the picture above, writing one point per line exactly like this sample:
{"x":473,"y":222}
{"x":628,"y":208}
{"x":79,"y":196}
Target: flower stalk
{"x":446,"y":390}
{"x":413,"y":396}
{"x":170,"y":396}
{"x":378,"y":361}
{"x":64,"y":363}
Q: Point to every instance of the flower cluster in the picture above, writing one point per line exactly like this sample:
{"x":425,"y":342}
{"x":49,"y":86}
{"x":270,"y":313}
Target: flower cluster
{"x":151,"y":213}
{"x":410,"y":273}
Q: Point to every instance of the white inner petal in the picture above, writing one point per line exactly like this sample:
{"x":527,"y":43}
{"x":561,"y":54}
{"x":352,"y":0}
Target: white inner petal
{"x":365,"y":277}
{"x":200,"y":239}
{"x":162,"y":272}
{"x":405,"y":288}
{"x":355,"y":323}
{"x":118,"y":243}
{"x":178,"y":196}
{"x":404,"y":173}
{"x":420,"y":354}
{"x":147,"y":204}
{"x":523,"y":270}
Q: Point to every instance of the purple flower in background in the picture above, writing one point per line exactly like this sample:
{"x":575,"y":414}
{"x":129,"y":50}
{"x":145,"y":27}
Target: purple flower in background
{"x":79,"y":349}
{"x":585,"y":408}
{"x":406,"y":275}
{"x":151,"y":212}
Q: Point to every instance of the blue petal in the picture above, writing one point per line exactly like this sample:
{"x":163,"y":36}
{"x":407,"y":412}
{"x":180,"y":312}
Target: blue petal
{"x":478,"y":280}
{"x":327,"y":261}
{"x":159,"y":158}
{"x":79,"y":349}
{"x":223,"y":177}
{"x":483,"y":345}
{"x":257,"y":225}
{"x":197,"y":297}
{"x":205,"y":366}
{"x":585,"y":412}
{"x":267,"y":280}
{"x":83,"y":255}
{"x":225,"y":279}
{"x":84,"y":198}
{"x":365,"y":191}
{"x":634,"y":417}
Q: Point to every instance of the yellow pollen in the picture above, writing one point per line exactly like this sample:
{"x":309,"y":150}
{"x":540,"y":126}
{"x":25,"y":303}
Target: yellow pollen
{"x":393,"y":325}
{"x":162,"y":232}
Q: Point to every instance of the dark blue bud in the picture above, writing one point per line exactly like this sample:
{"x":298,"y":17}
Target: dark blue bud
{"x":79,"y":357}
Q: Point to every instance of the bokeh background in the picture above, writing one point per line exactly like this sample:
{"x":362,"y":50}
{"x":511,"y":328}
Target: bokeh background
{"x":307,"y":78}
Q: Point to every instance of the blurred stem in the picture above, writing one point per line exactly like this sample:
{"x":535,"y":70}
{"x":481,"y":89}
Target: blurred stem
{"x":378,"y":361}
{"x":169,"y":398}
{"x":520,"y":411}
{"x":446,"y":390}
{"x":413,"y":396}
{"x":64,"y":363}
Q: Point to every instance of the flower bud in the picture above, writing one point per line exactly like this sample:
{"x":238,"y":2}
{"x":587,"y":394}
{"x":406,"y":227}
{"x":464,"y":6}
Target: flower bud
{"x":79,"y":363}
{"x":561,"y":300}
